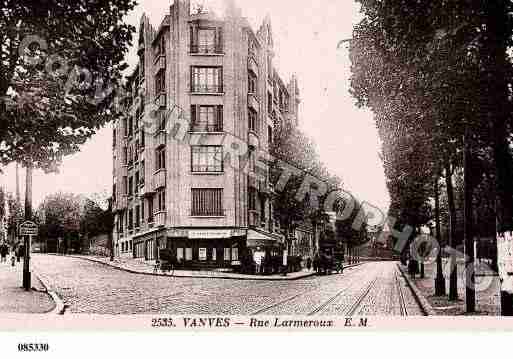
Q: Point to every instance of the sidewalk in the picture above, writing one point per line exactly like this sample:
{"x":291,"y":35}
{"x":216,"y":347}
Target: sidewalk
{"x":487,"y":300}
{"x":14,"y":299}
{"x":140,"y":267}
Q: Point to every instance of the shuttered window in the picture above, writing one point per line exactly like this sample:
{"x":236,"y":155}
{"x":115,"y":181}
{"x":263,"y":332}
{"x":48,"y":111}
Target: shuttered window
{"x":207,"y":202}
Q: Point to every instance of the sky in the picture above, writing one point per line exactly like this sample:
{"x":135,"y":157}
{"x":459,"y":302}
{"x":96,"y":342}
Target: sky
{"x":306,"y":35}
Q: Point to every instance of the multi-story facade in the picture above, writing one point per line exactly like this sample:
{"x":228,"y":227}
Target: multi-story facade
{"x":193,"y":194}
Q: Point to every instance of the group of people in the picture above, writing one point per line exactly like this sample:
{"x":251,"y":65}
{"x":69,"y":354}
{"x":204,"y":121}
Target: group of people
{"x":4,"y":253}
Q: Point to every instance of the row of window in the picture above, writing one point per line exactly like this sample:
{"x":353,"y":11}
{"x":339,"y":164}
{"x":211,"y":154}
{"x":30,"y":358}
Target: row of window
{"x":131,"y":124}
{"x":206,"y":202}
{"x":135,"y":216}
{"x":210,"y":254}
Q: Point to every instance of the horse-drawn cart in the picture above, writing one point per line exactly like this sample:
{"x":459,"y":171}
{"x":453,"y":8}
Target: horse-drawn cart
{"x":167,"y":261}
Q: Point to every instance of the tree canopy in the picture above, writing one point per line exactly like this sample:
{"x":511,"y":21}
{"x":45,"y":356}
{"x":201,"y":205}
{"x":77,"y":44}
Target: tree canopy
{"x":60,"y":64}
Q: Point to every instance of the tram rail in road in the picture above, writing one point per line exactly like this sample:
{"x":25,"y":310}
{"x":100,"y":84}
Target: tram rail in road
{"x":291,"y":298}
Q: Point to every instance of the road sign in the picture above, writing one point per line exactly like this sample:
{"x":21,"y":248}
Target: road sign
{"x":29,"y":228}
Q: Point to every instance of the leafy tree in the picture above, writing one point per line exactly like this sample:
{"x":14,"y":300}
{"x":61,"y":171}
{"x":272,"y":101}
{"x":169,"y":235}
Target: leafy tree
{"x":442,"y":69}
{"x":59,"y":64}
{"x":293,"y":147}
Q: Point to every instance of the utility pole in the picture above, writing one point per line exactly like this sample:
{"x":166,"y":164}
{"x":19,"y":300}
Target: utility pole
{"x":440,"y":279}
{"x":18,"y":202}
{"x":28,"y":216}
{"x":111,"y":230}
{"x":470,"y":291}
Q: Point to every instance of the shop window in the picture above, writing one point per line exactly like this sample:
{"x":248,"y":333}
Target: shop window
{"x":235,"y":254}
{"x":188,"y":254}
{"x":179,"y":254}
{"x":202,"y":255}
{"x":227,"y":254}
{"x":214,"y":254}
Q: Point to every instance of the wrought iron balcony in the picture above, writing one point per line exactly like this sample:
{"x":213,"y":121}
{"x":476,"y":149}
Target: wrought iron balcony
{"x":207,"y":49}
{"x":200,"y":88}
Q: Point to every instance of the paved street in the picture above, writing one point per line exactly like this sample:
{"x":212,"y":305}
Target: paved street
{"x":87,"y":287}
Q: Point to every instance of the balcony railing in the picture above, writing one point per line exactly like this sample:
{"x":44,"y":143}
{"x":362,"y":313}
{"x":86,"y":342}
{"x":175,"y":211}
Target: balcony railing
{"x":159,"y":179}
{"x":208,"y":213}
{"x":206,"y":49}
{"x":203,"y":127}
{"x":199,"y":88}
{"x":160,"y":219}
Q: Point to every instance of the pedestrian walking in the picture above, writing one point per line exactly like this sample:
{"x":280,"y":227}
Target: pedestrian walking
{"x":316,"y":263}
{"x":18,"y":253}
{"x":308,"y":263}
{"x":4,"y":251}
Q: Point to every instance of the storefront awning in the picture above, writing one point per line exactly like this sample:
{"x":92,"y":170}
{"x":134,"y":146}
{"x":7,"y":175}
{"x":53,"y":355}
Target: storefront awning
{"x":261,"y":239}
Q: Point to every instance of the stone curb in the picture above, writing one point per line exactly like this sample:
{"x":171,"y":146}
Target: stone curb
{"x":419,"y":297}
{"x":285,"y":278}
{"x":59,"y":304}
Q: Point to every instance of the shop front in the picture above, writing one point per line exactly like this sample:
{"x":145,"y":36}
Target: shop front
{"x":268,"y":247}
{"x":204,"y":249}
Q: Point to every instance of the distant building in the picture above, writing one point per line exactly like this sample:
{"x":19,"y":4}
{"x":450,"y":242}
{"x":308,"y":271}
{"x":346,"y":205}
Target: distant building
{"x":192,"y":194}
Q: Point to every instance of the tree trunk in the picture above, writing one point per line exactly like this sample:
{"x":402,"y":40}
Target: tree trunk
{"x":470,"y":290}
{"x":453,"y":276}
{"x":440,"y":279}
{"x":497,"y":66}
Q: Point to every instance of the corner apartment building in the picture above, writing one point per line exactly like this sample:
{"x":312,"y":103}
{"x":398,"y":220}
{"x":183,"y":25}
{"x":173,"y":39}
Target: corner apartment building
{"x":188,"y":194}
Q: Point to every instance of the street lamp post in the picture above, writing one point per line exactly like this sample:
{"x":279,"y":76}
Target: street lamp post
{"x":28,"y":216}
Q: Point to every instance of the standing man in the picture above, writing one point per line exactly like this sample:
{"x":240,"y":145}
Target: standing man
{"x":4,"y":250}
{"x":258,"y":258}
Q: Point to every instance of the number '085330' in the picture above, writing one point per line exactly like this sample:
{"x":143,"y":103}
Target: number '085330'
{"x":33,"y":347}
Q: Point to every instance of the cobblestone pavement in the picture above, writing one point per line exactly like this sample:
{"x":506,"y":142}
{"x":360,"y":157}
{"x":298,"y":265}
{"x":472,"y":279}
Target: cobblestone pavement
{"x":14,"y":299}
{"x":87,"y":287}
